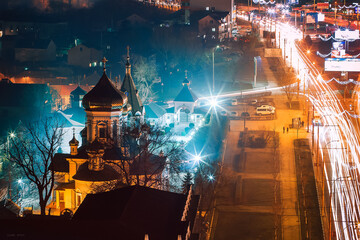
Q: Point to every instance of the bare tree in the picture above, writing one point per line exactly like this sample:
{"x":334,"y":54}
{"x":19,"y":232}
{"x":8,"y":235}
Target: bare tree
{"x":152,"y":157}
{"x":207,"y":184}
{"x":32,"y":151}
{"x":289,"y":87}
{"x":145,"y":76}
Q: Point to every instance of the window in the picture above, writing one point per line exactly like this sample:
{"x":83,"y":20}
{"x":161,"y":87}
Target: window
{"x":213,"y":29}
{"x":207,"y":8}
{"x":61,"y":196}
{"x":78,"y":199}
{"x":101,"y":132}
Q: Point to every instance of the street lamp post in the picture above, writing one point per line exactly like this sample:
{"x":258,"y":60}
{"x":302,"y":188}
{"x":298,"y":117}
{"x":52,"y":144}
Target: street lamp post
{"x":10,"y":135}
{"x":213,"y":68}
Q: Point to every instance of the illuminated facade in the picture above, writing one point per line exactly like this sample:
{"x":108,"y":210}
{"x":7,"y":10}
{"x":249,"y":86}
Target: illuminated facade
{"x":94,"y":166}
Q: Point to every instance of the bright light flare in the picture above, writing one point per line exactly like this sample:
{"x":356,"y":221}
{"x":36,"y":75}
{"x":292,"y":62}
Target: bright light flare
{"x":211,"y":178}
{"x":213,"y":103}
{"x":197,"y":158}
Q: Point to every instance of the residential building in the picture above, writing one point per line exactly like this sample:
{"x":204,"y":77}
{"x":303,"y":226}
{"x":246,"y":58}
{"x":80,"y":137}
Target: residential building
{"x":215,"y":5}
{"x":84,"y":56}
{"x":35,"y":50}
{"x":216,"y":26}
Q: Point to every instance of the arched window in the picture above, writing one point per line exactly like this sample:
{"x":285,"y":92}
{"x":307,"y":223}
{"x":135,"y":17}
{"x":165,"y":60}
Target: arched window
{"x":102,"y":130}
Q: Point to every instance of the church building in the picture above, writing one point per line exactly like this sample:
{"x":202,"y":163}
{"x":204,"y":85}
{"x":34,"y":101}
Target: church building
{"x":94,"y":165}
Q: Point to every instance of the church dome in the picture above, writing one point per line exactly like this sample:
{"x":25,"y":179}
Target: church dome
{"x":78,"y":91}
{"x":104,"y":96}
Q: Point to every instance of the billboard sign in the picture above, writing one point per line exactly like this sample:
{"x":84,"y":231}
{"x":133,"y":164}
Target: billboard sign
{"x":311,"y":17}
{"x":323,"y":5}
{"x":342,"y":64}
{"x":347,"y":35}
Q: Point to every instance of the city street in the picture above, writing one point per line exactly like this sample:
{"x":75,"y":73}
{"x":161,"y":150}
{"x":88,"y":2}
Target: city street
{"x":261,"y":182}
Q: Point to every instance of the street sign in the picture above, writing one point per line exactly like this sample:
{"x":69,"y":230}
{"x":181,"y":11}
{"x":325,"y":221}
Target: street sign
{"x":347,"y":35}
{"x":342,"y":65}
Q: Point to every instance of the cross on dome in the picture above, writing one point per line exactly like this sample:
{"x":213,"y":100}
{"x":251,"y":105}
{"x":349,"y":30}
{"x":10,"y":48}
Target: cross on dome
{"x":104,"y":60}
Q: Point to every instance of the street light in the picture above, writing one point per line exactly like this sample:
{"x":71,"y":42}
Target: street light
{"x":10,"y":135}
{"x":213,"y":65}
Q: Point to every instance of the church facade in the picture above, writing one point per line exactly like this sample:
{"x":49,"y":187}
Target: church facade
{"x":103,"y":156}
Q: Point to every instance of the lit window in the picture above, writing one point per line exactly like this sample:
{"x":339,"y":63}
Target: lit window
{"x":213,"y":29}
{"x":207,"y":8}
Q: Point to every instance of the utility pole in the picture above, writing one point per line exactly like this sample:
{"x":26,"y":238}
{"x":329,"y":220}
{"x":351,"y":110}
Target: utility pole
{"x":335,"y":13}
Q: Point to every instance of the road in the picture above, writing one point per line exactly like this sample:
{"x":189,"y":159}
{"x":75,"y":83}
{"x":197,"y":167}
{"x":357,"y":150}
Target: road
{"x":335,"y":144}
{"x":259,"y":200}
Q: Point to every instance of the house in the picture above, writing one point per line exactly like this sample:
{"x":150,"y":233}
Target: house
{"x":216,"y":26}
{"x":84,"y":56}
{"x":35,"y":50}
{"x":215,"y":5}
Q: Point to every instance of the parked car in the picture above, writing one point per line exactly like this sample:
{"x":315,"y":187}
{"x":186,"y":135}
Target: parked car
{"x":224,"y":113}
{"x":265,"y":110}
{"x":253,"y":102}
{"x":245,"y":114}
{"x":234,"y":114}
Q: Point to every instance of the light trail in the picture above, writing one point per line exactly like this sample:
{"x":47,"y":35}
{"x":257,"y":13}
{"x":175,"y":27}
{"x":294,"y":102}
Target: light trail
{"x":337,"y":140}
{"x":343,"y":152}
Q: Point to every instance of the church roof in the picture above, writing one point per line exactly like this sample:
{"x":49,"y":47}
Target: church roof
{"x":59,"y":163}
{"x":78,"y":91}
{"x":186,"y":95}
{"x":129,"y":88}
{"x":68,"y":185}
{"x":154,"y":111}
{"x":76,"y":114}
{"x":107,"y":174}
{"x":67,"y":120}
{"x":104,"y":96}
